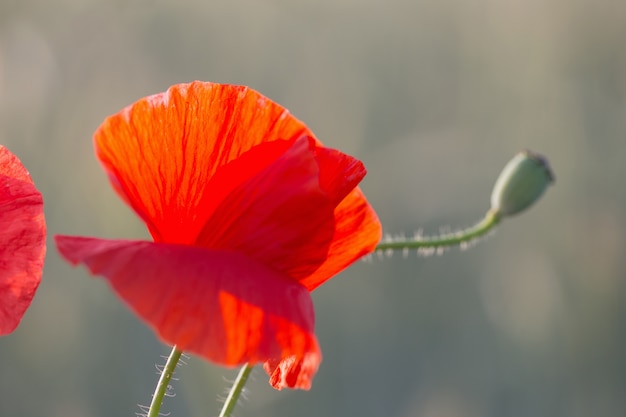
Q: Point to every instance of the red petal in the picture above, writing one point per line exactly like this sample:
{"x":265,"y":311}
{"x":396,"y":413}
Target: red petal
{"x":22,"y":240}
{"x":281,"y":217}
{"x":284,"y":216}
{"x":221,"y":305}
{"x":292,"y":372}
{"x":357,"y":232}
{"x":161,"y":152}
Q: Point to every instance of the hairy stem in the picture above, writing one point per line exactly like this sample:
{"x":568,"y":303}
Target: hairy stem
{"x":235,"y":391}
{"x":164,"y":380}
{"x":491,"y":219}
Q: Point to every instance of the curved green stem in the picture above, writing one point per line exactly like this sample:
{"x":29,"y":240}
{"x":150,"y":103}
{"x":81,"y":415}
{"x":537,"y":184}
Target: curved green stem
{"x":164,"y":380}
{"x":491,"y":219}
{"x":236,"y":390}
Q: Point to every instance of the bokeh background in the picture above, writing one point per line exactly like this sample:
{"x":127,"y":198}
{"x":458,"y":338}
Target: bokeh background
{"x":434,"y":97}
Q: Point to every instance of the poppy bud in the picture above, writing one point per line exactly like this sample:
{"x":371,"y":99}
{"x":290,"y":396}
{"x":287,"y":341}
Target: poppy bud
{"x":521,"y":183}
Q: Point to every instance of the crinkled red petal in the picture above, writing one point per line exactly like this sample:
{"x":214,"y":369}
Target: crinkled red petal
{"x":221,"y":305}
{"x":161,"y":152}
{"x":292,"y":371}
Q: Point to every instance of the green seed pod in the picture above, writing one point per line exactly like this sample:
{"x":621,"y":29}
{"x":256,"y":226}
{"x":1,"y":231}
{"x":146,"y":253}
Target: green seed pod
{"x":522,"y":181}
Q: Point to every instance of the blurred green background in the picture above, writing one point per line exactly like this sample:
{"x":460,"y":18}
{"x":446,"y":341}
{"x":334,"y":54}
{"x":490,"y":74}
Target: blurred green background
{"x":434,"y":96}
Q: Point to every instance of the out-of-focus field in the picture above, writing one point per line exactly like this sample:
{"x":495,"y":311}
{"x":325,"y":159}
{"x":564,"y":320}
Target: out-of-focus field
{"x":434,"y":97}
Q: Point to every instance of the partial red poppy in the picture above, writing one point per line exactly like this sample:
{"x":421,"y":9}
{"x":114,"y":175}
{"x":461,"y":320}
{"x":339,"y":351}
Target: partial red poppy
{"x":22,"y":240}
{"x":248,"y":211}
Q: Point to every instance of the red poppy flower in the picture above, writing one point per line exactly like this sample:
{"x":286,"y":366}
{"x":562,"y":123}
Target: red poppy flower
{"x":22,"y":240}
{"x":248,"y":212}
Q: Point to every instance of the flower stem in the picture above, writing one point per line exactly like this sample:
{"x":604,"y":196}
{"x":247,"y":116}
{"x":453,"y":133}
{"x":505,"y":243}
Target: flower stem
{"x":164,"y":380}
{"x":466,"y":236}
{"x":235,"y":391}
